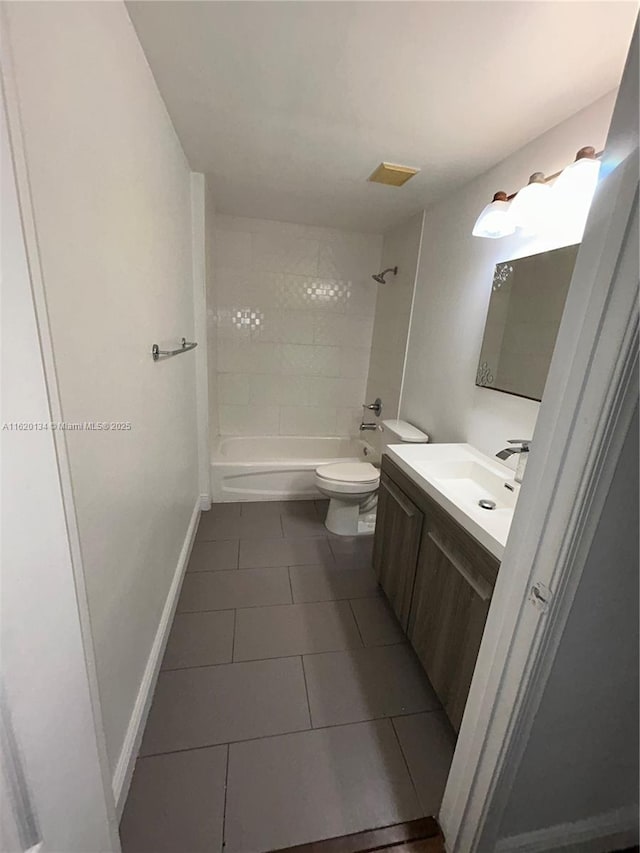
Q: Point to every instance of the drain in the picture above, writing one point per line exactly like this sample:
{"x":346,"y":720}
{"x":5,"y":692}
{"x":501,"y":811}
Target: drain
{"x":485,"y":503}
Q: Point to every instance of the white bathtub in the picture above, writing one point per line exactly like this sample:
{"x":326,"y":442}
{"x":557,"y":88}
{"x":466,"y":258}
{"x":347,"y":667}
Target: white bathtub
{"x":270,"y":468}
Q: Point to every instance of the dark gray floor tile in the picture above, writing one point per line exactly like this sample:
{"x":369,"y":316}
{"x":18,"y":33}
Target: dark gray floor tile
{"x":218,"y":704}
{"x":317,"y":583}
{"x":294,"y":629}
{"x":214,"y":556}
{"x":227,"y":510}
{"x":222,"y":521}
{"x":227,"y":590}
{"x":352,"y":551}
{"x":200,"y":639}
{"x":428,"y":743}
{"x":265,"y":527}
{"x":322,"y":507}
{"x":313,"y":785}
{"x":176,"y":803}
{"x":269,"y":509}
{"x":377,"y":622}
{"x":256,"y":553}
{"x":363,"y":684}
{"x":303,"y":521}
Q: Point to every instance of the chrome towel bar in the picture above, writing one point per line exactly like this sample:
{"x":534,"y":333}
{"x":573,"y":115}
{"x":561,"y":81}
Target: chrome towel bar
{"x":158,"y":354}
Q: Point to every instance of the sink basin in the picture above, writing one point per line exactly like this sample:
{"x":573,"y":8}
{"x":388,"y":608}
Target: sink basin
{"x":472,"y":481}
{"x":458,"y":477}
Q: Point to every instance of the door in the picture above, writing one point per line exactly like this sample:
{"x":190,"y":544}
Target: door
{"x":396,"y":545}
{"x":54,"y":786}
{"x":450,"y":605}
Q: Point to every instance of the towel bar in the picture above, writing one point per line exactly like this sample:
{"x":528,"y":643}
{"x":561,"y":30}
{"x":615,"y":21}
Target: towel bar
{"x":157,"y":354}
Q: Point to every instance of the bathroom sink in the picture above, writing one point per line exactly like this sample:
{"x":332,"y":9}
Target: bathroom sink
{"x":472,"y":482}
{"x":477,"y":491}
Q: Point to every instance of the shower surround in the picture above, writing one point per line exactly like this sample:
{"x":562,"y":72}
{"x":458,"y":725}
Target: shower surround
{"x":291,"y":312}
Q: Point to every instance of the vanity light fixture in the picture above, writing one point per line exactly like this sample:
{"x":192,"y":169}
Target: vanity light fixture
{"x":577,"y":183}
{"x":538,"y":204}
{"x":496,"y":219}
{"x":531,"y":207}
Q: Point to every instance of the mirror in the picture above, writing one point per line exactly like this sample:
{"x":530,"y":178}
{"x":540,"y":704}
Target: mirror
{"x":527,"y":301}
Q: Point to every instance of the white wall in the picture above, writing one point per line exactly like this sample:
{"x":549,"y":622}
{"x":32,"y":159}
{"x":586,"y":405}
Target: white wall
{"x":45,"y":677}
{"x":401,"y":248}
{"x":212,"y":332}
{"x":453,"y":289}
{"x":299,"y":367}
{"x":111,"y":194}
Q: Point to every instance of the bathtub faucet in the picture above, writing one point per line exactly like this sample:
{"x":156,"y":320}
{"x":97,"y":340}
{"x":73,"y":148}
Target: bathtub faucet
{"x":364,"y":426}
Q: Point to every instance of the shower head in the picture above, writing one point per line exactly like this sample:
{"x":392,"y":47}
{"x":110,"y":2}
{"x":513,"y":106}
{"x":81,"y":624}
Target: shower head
{"x":380,"y":276}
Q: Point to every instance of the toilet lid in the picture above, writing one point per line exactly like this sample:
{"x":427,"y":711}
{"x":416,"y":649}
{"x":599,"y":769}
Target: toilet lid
{"x":349,"y":472}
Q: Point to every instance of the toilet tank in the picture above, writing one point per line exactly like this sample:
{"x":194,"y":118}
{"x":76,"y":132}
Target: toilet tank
{"x":401,"y":432}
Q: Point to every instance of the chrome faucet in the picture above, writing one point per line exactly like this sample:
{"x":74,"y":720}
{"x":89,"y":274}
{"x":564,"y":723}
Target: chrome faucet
{"x":522,"y":447}
{"x":364,"y":426}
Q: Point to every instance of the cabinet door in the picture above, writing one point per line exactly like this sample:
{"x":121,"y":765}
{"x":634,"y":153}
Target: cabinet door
{"x":396,"y":545}
{"x":450,"y":604}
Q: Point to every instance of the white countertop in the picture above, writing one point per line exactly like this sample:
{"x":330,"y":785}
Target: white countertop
{"x":456,"y":476}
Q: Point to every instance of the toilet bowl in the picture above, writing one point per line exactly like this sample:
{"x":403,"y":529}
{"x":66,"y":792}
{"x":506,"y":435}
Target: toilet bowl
{"x":352,"y":486}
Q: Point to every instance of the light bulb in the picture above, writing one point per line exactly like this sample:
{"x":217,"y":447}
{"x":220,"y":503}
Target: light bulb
{"x":495,"y":220}
{"x":531,"y":208}
{"x":574,"y":189}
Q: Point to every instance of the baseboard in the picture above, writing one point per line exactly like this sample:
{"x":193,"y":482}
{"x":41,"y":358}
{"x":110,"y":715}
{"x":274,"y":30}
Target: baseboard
{"x":612,"y":830}
{"x":205,"y":503}
{"x":129,"y":752}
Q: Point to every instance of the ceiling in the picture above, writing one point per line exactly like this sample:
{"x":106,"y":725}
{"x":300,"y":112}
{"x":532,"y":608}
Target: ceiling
{"x":289,"y":106}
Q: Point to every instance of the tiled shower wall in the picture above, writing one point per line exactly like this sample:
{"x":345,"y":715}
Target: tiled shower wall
{"x":294,"y":309}
{"x":401,"y":249}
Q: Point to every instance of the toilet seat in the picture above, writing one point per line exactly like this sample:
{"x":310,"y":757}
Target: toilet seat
{"x":352,"y":486}
{"x":349,"y":477}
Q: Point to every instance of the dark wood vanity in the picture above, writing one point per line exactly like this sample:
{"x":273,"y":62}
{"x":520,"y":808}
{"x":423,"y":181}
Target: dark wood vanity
{"x":439,"y":581}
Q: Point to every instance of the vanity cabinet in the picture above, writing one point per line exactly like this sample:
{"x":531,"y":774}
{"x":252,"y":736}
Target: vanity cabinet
{"x":439,"y":580}
{"x":395,"y":549}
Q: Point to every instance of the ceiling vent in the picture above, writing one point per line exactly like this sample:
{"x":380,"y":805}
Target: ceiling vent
{"x":392,"y":175}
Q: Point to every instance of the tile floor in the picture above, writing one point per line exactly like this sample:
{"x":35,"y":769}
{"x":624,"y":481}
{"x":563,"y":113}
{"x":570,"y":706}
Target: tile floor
{"x":289,"y":707}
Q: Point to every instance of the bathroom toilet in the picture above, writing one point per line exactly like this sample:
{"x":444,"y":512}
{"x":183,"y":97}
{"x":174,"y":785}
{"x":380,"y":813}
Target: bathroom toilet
{"x":352,"y":486}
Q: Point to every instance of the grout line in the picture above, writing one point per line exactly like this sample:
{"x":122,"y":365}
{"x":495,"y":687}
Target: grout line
{"x":248,"y":607}
{"x":355,"y":619}
{"x":306,"y":691}
{"x":333,"y":566}
{"x":293,"y":601}
{"x":202,"y":541}
{"x":282,"y":604}
{"x":282,"y":657}
{"x":209,"y":571}
{"x":406,"y":763}
{"x":331,"y":549}
{"x":222,"y":609}
{"x":284,"y":734}
{"x":224,"y":807}
{"x":279,"y":604}
{"x":233,"y":641}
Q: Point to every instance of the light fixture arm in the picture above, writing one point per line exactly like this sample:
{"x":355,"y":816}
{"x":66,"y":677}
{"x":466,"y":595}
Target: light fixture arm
{"x":586,"y":153}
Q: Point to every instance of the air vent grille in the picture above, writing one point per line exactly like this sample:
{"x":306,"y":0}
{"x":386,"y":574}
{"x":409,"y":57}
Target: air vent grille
{"x":392,"y":175}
